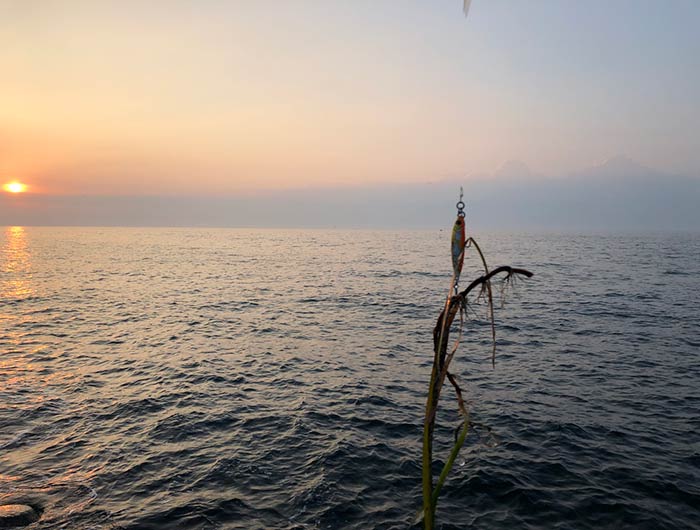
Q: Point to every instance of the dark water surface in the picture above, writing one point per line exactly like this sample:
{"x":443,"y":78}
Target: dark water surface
{"x":196,"y":378}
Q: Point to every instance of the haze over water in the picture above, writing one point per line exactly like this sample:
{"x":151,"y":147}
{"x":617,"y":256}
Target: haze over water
{"x":250,"y":379}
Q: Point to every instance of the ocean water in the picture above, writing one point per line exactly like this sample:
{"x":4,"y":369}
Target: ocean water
{"x":266,"y":379}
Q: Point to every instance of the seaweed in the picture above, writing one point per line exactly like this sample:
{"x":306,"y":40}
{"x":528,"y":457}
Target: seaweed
{"x":455,"y":304}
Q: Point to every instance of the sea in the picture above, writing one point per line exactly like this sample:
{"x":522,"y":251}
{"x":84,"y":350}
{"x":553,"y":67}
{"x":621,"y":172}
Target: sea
{"x":177,"y":378}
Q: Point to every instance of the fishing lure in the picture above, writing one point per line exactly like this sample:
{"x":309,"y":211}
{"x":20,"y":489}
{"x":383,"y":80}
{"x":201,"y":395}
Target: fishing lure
{"x":459,"y":234}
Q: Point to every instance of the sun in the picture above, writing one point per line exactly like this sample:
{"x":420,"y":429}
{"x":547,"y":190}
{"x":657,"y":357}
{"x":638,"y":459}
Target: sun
{"x":15,"y":187}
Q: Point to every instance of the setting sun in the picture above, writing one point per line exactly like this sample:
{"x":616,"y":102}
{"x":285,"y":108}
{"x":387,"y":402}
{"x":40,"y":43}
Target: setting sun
{"x":15,"y":187}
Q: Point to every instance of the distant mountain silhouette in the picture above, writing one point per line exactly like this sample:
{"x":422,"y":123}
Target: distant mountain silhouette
{"x":619,"y":167}
{"x":619,"y":194}
{"x":514,"y":169}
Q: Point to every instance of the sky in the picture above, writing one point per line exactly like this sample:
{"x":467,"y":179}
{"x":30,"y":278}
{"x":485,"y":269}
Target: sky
{"x":248,"y":98}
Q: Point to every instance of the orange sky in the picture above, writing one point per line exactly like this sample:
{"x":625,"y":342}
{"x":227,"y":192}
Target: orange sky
{"x":178,"y":98}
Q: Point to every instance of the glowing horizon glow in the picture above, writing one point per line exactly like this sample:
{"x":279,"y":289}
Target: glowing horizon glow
{"x":15,"y":187}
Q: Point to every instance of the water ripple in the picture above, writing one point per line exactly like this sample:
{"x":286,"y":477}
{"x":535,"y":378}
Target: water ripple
{"x":194,"y":379}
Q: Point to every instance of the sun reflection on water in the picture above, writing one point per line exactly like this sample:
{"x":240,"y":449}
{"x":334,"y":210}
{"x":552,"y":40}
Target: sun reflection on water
{"x":16,"y":264}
